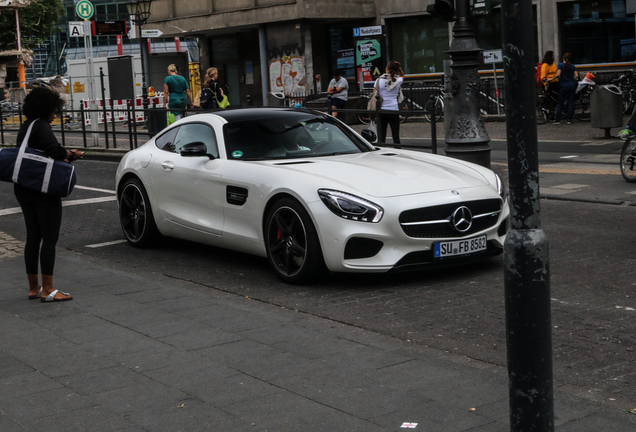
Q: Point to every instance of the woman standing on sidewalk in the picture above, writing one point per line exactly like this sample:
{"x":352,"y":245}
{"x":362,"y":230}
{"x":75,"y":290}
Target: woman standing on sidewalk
{"x":568,"y":76}
{"x":42,"y":212}
{"x":388,"y":86}
{"x":177,"y":90}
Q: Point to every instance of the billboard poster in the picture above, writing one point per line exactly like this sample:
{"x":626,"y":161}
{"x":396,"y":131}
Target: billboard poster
{"x":369,"y":58}
{"x":345,"y":61}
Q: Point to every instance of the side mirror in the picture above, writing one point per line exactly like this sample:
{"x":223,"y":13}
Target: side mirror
{"x":195,"y":149}
{"x":369,"y":135}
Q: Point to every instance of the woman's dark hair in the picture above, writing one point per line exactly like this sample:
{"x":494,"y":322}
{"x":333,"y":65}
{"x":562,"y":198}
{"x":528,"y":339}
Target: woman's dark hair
{"x":41,"y":103}
{"x":548,"y":57}
{"x":393,"y":67}
{"x":567,"y":59}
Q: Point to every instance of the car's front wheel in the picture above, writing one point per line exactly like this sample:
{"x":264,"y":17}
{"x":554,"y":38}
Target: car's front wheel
{"x":293,"y":248}
{"x":135,"y":214}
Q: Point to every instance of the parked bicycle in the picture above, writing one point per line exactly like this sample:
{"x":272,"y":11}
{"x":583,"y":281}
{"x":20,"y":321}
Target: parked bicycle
{"x":628,"y":160}
{"x":438,"y":103}
{"x":627,"y":83}
{"x":548,"y":100}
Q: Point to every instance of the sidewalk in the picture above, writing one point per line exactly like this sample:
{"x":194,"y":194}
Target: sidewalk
{"x":143,"y":352}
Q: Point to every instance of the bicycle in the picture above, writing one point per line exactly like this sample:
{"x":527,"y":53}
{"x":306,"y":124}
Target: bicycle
{"x":628,"y":159}
{"x":627,"y":84}
{"x":547,"y":103}
{"x":439,"y":107}
{"x":365,"y":116}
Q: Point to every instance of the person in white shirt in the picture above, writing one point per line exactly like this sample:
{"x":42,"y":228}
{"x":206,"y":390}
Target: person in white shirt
{"x":388,"y":86}
{"x":338,"y":89}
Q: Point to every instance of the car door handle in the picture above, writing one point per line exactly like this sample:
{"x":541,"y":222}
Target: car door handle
{"x":167,"y":165}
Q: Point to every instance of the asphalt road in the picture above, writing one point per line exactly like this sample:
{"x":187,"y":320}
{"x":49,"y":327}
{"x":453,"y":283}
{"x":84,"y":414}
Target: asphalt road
{"x":459,"y":311}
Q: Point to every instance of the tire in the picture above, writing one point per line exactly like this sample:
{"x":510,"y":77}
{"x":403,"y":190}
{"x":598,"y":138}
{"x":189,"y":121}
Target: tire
{"x":135,"y":215}
{"x":628,"y":161}
{"x":292,"y":244}
{"x":363,"y":117}
{"x":581,"y":111}
{"x":403,"y":106}
{"x":542,"y":116}
{"x":439,"y":110}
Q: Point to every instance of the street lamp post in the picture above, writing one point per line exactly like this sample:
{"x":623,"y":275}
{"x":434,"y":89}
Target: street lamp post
{"x":139,"y":11}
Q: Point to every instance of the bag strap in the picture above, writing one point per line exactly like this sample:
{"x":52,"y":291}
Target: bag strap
{"x":23,"y":146}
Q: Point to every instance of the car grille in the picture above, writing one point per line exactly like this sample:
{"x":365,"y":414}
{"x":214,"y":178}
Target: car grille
{"x":436,"y":222}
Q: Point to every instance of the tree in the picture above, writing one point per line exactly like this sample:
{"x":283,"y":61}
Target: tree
{"x":37,"y":21}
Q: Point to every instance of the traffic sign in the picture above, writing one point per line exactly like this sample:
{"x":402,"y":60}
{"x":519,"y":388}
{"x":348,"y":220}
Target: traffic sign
{"x":151,"y":33}
{"x":493,"y":56}
{"x":76,"y":28}
{"x":84,"y":9}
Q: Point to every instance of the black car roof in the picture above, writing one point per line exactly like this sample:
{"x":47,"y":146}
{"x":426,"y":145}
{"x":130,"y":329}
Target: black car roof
{"x":246,"y":114}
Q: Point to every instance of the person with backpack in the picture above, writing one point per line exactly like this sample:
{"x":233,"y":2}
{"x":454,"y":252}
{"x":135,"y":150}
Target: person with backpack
{"x":568,"y":76}
{"x":177,"y":92}
{"x":212,"y":92}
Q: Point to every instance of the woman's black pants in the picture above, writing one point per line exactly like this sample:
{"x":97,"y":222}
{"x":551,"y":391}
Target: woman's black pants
{"x":43,"y":218}
{"x":392,"y":120}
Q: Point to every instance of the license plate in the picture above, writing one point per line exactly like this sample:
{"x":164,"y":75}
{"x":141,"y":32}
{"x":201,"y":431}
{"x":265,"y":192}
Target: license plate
{"x":460,"y":247}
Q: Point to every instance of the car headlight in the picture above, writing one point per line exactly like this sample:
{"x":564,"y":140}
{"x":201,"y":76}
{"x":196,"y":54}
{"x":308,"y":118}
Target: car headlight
{"x":501,"y":188}
{"x":351,"y":207}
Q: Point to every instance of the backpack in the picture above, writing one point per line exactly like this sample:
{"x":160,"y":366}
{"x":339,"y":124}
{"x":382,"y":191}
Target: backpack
{"x":207,"y":98}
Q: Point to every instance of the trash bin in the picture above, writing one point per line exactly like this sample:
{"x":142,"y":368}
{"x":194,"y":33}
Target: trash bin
{"x":606,"y":107}
{"x":157,"y":120}
{"x":275,"y":99}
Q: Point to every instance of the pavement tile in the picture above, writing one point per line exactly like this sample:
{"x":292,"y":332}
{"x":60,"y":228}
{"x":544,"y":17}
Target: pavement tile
{"x":158,"y":357}
{"x":166,"y":326}
{"x":102,"y":380}
{"x":26,"y":384}
{"x":596,"y":422}
{"x":126,"y":319}
{"x":101,"y":331}
{"x":94,"y":419}
{"x":148,"y":396}
{"x":236,"y":352}
{"x":101,"y":302}
{"x":10,"y":366}
{"x":160,"y":294}
{"x":193,"y":415}
{"x":44,"y":404}
{"x":69,"y":364}
{"x":203,"y":372}
{"x":8,"y":424}
{"x":200,"y":338}
{"x":227,"y":318}
{"x":286,"y":411}
{"x":275,"y":368}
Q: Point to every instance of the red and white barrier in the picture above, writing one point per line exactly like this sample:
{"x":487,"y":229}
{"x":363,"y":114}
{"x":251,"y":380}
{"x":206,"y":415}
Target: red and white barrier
{"x":117,"y":110}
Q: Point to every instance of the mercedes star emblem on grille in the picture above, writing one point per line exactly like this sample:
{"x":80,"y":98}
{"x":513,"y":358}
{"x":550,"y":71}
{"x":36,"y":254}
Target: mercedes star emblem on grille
{"x":462,"y":219}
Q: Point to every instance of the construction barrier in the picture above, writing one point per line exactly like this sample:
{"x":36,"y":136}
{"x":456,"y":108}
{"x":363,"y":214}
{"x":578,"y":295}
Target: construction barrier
{"x":117,"y":110}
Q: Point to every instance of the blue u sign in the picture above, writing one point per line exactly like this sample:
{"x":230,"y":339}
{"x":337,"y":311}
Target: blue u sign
{"x":356,"y":32}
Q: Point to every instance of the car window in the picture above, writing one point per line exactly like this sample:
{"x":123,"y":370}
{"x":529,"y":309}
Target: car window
{"x":166,"y":141}
{"x":289,"y":137}
{"x":193,"y":132}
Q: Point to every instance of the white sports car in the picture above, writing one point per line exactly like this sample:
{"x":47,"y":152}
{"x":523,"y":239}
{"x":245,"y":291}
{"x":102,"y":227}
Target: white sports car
{"x":306,"y":191}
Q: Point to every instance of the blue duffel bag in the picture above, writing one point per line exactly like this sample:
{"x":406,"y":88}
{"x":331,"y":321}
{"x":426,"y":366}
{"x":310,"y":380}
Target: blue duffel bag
{"x":32,"y":169}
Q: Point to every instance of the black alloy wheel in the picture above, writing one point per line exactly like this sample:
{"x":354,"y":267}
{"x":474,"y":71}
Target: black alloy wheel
{"x":135,"y":215}
{"x":293,"y":248}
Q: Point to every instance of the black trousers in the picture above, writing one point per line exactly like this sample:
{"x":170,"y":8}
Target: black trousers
{"x":43,"y":218}
{"x":392,"y":120}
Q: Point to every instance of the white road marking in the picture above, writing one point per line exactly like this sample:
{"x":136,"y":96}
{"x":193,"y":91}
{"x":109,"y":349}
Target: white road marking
{"x":569,"y":157}
{"x":95,"y":189}
{"x":15,"y":210}
{"x":106,"y":244}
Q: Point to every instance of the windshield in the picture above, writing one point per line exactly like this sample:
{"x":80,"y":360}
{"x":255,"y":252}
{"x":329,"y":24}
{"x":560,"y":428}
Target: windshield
{"x":290,"y":135}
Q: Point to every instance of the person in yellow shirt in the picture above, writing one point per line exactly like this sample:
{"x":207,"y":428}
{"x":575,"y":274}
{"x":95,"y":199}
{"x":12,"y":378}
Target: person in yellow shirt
{"x":548,"y":70}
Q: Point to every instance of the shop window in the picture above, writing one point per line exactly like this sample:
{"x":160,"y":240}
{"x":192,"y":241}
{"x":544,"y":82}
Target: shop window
{"x":597,"y":31}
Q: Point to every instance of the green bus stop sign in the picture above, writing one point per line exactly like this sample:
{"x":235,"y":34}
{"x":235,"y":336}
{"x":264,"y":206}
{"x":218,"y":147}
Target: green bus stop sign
{"x":84,"y":9}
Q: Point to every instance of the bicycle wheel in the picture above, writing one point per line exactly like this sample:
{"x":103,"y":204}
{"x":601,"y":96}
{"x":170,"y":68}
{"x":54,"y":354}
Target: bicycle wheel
{"x":542,"y":116}
{"x":581,"y":108}
{"x":403,"y":106}
{"x":439,"y":110}
{"x":628,"y":157}
{"x":363,"y":117}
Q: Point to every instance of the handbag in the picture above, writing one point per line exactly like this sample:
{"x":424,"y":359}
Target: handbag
{"x":170,"y":119}
{"x":32,"y":169}
{"x":206,"y":98}
{"x":373,"y":105}
{"x":224,"y":102}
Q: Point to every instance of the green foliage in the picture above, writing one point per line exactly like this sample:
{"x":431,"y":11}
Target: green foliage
{"x":37,"y":22}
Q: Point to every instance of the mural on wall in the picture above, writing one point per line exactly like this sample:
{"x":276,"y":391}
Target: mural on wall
{"x":286,"y":75}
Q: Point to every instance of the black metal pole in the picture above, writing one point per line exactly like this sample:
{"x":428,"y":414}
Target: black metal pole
{"x":104,"y":109}
{"x":83,"y":121}
{"x":466,"y":137}
{"x":527,"y":275}
{"x":433,"y":125}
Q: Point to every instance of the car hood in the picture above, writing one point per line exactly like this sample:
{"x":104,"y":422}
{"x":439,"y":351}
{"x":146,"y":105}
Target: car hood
{"x":387,"y":173}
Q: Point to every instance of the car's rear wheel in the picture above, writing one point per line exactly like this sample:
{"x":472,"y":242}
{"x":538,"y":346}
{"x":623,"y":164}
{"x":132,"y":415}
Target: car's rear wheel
{"x":135,"y":214}
{"x":293,"y":248}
